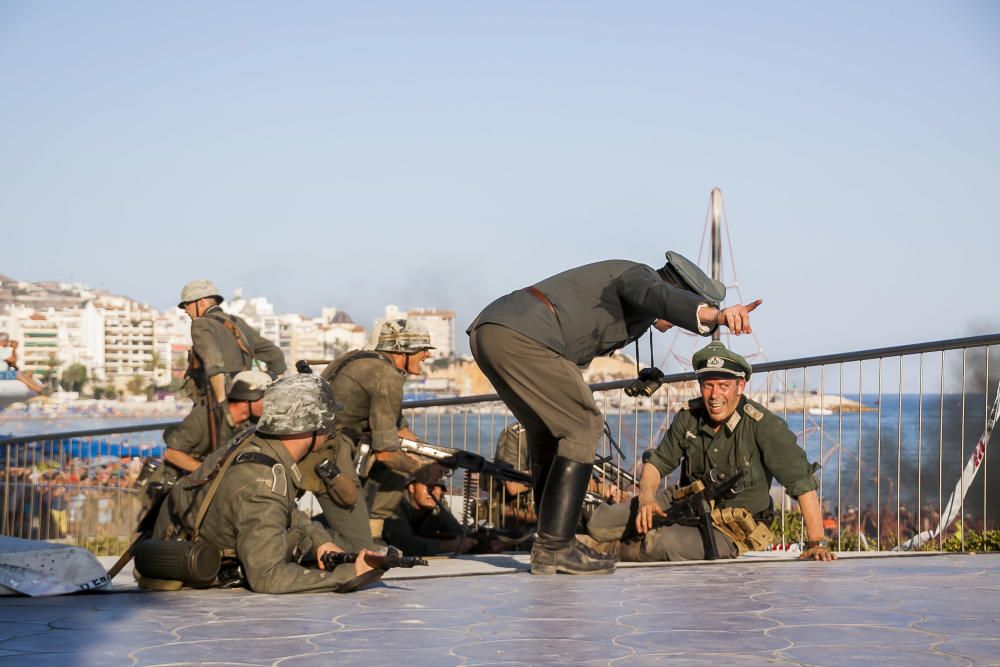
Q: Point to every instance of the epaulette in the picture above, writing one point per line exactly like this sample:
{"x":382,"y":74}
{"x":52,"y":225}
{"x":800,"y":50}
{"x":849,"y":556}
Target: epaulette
{"x":753,"y":413}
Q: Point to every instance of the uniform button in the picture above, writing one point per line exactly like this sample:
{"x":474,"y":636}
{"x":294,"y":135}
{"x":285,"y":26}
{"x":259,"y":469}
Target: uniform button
{"x":715,"y":449}
{"x":722,"y":475}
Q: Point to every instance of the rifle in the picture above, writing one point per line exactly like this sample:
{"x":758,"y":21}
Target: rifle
{"x":393,"y":558}
{"x":691,"y":506}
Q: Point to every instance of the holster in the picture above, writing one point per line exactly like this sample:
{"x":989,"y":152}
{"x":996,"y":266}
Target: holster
{"x":739,"y":525}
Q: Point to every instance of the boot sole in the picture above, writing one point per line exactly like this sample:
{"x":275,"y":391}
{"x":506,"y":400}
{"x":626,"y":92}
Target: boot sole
{"x":552,"y":569}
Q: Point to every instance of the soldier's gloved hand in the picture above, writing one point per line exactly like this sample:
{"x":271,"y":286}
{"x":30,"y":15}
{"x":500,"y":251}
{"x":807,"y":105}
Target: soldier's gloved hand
{"x":325,"y":548}
{"x":817,"y":550}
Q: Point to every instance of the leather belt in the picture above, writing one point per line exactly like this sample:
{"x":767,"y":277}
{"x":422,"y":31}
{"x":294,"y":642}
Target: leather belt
{"x":540,"y":295}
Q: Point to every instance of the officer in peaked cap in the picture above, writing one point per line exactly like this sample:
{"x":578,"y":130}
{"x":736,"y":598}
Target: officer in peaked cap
{"x":715,"y":359}
{"x":222,"y":345}
{"x":531,"y":343}
{"x":718,"y":435}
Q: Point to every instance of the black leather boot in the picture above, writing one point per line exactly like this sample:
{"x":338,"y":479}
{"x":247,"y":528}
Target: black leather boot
{"x":556,"y":548}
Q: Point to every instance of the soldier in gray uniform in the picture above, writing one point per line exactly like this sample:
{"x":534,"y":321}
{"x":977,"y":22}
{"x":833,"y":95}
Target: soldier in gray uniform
{"x":222,"y":344}
{"x":419,"y":527}
{"x":511,"y":502}
{"x":189,"y":442}
{"x":242,"y":499}
{"x":368,"y":386}
{"x":531,"y":343}
{"x":720,"y":433}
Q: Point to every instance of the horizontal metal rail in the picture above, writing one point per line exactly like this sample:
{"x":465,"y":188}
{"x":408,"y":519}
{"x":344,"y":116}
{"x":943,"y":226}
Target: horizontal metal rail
{"x":63,"y":435}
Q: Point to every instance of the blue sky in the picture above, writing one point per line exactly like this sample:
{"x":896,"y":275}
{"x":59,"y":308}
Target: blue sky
{"x":444,"y":153}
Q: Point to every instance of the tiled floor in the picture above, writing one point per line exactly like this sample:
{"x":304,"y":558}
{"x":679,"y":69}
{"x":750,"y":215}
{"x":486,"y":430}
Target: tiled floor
{"x":916,"y":610}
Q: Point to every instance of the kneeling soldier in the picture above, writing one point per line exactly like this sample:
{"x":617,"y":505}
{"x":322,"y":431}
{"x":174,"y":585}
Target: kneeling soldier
{"x":242,"y":499}
{"x":191,"y":441}
{"x":717,"y":436}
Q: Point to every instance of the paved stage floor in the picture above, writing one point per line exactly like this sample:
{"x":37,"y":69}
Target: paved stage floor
{"x":905,"y":610}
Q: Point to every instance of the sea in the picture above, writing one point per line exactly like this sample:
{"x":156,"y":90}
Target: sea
{"x":903,"y":450}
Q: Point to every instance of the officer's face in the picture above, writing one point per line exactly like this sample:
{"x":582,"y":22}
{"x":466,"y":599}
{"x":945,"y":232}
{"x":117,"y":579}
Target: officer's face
{"x":721,"y":397}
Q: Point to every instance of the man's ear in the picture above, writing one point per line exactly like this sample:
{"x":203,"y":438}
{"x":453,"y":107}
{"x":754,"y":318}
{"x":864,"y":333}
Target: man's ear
{"x":742,"y":385}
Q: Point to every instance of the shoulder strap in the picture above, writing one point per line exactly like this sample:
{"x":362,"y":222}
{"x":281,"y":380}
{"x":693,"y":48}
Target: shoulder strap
{"x":229,"y":322}
{"x":350,"y":359}
{"x":227,"y":461}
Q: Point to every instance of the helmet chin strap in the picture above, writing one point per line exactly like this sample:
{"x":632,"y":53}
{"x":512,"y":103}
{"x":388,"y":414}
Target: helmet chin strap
{"x":312,"y":443}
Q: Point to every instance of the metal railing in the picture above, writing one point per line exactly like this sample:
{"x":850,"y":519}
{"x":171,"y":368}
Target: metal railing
{"x":892,"y":428}
{"x":76,"y":487}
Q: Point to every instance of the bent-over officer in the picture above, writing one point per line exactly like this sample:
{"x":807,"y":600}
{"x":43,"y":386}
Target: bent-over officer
{"x":242,"y":499}
{"x":716,"y":436}
{"x":368,"y":385}
{"x":222,"y":345}
{"x":531,"y":343}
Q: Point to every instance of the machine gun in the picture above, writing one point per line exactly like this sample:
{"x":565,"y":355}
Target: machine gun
{"x":459,"y":458}
{"x":691,"y":506}
{"x":393,"y":558}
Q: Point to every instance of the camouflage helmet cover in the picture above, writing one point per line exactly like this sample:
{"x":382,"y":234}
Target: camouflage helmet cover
{"x":198,"y":289}
{"x":403,"y":337}
{"x":297,"y":404}
{"x":249,"y":385}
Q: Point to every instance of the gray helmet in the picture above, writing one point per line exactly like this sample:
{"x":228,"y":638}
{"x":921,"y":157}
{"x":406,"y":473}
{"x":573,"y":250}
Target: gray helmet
{"x":403,"y":337}
{"x":249,"y":385}
{"x":296,"y":405}
{"x":681,"y":272}
{"x":198,"y":289}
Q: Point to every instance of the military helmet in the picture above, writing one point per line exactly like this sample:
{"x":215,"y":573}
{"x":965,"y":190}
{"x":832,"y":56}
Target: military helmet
{"x":295,"y":405}
{"x":681,"y":272}
{"x":403,"y":337}
{"x":249,"y":385}
{"x":198,"y":289}
{"x":715,"y":360}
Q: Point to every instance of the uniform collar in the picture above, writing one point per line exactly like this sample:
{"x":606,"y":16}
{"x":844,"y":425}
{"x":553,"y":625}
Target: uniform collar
{"x":281,"y":453}
{"x":731,"y":423}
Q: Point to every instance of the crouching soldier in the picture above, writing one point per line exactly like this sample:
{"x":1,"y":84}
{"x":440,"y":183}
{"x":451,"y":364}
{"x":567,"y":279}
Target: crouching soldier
{"x":719,"y":435}
{"x":241,"y":501}
{"x":368,"y":386}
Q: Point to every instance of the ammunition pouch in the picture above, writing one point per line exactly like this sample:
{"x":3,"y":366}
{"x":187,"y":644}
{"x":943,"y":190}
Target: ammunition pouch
{"x":739,"y":525}
{"x":342,"y":488}
{"x":195,"y":564}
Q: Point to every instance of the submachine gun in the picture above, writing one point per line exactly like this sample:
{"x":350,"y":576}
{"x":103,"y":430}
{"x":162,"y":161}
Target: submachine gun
{"x":692,"y":506}
{"x":393,"y":557}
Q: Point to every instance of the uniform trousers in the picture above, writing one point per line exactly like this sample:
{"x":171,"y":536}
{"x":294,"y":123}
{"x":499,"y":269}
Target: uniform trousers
{"x":545,"y":392}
